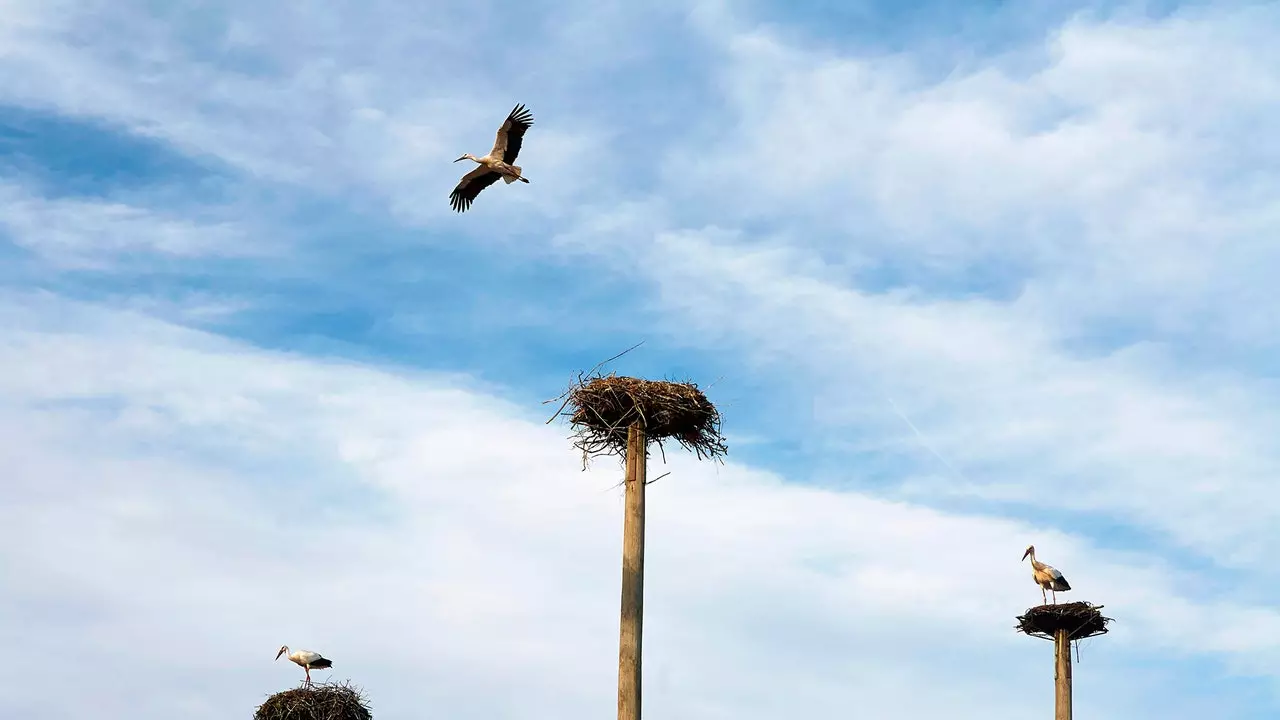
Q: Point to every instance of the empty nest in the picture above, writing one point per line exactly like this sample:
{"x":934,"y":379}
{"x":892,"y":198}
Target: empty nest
{"x":602,"y":407}
{"x":1079,"y":619}
{"x":321,"y":701}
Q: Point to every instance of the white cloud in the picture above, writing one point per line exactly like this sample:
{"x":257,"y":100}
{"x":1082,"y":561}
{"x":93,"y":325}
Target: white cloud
{"x":994,"y":390}
{"x":71,"y":233}
{"x":1126,"y":173}
{"x":354,"y":101}
{"x":1105,"y":217}
{"x":194,"y":528}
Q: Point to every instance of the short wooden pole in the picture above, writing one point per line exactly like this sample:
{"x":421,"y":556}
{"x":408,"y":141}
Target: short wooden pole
{"x":632,"y":577}
{"x":1062,"y":675}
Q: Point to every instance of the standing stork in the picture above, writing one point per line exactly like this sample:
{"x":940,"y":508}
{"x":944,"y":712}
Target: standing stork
{"x":497,"y":164}
{"x":1046,"y":576}
{"x":306,"y":659}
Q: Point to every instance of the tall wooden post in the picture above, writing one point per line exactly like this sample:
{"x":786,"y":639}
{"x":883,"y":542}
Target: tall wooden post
{"x":1063,"y":624}
{"x":632,"y":577}
{"x":1062,"y":675}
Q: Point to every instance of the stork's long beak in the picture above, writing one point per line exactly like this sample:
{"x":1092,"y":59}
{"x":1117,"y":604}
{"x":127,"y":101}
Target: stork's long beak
{"x":279,"y":653}
{"x":464,"y":157}
{"x":1025,"y":554}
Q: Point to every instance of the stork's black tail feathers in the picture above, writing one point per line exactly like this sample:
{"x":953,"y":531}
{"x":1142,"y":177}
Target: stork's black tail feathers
{"x":321,"y":664}
{"x":1060,"y":585}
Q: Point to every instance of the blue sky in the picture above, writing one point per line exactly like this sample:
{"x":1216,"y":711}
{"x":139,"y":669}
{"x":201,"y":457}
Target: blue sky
{"x":961,"y":278}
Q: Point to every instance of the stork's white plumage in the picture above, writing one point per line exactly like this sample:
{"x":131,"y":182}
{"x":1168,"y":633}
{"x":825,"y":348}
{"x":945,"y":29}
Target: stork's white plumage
{"x":497,"y":164}
{"x":306,"y":659}
{"x":1046,"y":576}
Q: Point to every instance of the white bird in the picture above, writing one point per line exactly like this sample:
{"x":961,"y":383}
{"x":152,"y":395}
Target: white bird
{"x":497,"y":164}
{"x":306,"y":659}
{"x":1046,"y":576}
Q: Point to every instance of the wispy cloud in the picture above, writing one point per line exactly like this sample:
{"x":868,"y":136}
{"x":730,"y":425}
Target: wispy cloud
{"x":1102,"y":222}
{"x":75,"y":233}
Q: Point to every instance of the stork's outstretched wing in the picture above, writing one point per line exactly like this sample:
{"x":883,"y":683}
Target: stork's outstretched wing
{"x":511,"y":134}
{"x":470,"y":186}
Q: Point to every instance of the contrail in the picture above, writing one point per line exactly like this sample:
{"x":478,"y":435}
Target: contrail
{"x":924,"y":441}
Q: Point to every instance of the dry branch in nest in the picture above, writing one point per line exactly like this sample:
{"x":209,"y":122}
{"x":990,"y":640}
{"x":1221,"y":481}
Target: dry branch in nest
{"x":321,"y":701}
{"x":601,"y":408}
{"x":1079,"y":619}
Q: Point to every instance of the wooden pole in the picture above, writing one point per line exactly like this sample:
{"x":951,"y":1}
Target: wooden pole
{"x":1062,"y":675}
{"x":632,"y":577}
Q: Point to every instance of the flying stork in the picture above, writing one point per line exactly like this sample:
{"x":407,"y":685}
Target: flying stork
{"x":497,"y":164}
{"x":1046,"y":576}
{"x":306,"y":659}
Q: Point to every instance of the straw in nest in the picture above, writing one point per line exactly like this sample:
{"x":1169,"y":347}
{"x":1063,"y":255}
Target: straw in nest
{"x":323,"y":701}
{"x":1079,"y":619}
{"x":601,"y":408}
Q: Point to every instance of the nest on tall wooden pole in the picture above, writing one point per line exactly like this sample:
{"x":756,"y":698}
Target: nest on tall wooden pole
{"x":1079,"y":619}
{"x":319,"y":701}
{"x":600,"y":408}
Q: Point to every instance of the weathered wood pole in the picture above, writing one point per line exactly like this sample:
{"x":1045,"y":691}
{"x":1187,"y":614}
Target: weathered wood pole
{"x":1062,"y":675}
{"x":632,"y":577}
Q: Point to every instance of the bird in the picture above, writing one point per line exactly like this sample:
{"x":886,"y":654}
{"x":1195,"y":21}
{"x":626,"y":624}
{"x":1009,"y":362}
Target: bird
{"x":497,"y":164}
{"x":306,"y":659}
{"x":1046,"y":576}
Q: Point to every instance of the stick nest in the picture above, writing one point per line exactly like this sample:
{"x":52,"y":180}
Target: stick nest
{"x":320,"y":701}
{"x":1079,"y":619}
{"x":601,"y":408}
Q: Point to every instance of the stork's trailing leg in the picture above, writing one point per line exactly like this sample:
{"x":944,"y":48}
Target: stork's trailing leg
{"x":514,"y":173}
{"x":1043,"y":595}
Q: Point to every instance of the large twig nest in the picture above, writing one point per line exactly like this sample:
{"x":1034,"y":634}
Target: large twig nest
{"x":601,"y":408}
{"x":1079,"y":619}
{"x":321,"y":701}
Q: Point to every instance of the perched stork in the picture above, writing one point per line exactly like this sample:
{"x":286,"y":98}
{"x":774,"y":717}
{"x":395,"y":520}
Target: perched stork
{"x":306,"y":659}
{"x":497,"y":164}
{"x":1046,"y":576}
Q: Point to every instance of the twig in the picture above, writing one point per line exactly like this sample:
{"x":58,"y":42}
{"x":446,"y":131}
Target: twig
{"x":615,"y":357}
{"x":650,"y":482}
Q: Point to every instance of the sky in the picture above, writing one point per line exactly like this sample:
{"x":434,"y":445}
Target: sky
{"x":961,"y":278}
